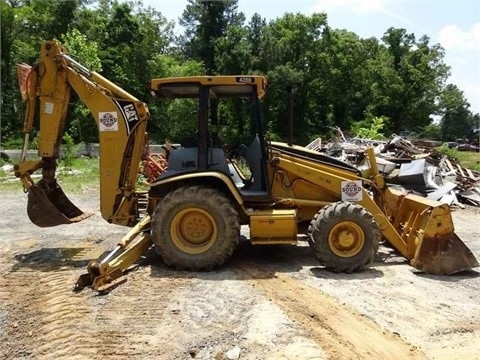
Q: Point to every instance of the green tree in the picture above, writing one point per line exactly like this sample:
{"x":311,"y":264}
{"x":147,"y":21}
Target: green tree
{"x":342,"y":79}
{"x":370,"y":128}
{"x":234,"y":56}
{"x":204,"y":23}
{"x":255,"y":34}
{"x":81,"y":47}
{"x":289,"y":50}
{"x":432,"y":132}
{"x":173,"y":120}
{"x":336,"y":76}
{"x":9,"y":96}
{"x":156,"y":39}
{"x":130,"y":52}
{"x":457,"y":120}
{"x":416,"y":83}
{"x":24,"y":24}
{"x":80,"y":126}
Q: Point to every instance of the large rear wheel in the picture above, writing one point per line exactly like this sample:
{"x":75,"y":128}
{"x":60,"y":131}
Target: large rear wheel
{"x":344,"y":237}
{"x":195,"y":228}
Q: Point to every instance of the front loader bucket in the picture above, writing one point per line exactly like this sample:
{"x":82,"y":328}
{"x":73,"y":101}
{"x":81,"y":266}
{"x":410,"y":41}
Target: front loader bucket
{"x":427,"y":228}
{"x":51,"y":207}
{"x":445,"y":255}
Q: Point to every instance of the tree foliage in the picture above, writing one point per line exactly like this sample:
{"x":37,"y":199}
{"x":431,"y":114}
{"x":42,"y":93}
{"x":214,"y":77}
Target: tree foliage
{"x":80,"y":127}
{"x":338,"y":79}
{"x":204,"y":23}
{"x":456,"y":120}
{"x":370,"y":128}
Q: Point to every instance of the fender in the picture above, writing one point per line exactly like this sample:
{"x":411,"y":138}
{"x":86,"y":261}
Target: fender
{"x":193,"y":177}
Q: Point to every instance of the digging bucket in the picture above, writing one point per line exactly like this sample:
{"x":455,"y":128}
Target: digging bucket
{"x":50,"y":206}
{"x":427,"y":228}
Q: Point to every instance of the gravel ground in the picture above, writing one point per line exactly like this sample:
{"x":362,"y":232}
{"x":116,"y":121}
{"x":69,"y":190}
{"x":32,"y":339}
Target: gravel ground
{"x":272,"y":302}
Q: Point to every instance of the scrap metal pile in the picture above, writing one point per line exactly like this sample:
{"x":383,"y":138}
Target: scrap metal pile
{"x":413,"y":165}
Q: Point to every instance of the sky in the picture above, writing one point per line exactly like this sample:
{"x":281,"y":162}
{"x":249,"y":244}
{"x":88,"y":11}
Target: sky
{"x":454,"y":24}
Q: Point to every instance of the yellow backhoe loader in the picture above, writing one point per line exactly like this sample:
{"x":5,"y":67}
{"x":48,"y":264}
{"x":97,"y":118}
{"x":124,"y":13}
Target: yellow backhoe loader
{"x":193,"y":211}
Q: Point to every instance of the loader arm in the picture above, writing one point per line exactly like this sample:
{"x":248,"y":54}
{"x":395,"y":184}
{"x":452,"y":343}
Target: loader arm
{"x":121,"y":120}
{"x":421,"y":230}
{"x":330,"y":179}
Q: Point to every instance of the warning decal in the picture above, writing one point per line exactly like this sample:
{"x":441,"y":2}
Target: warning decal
{"x":352,"y":190}
{"x":48,"y":108}
{"x":108,"y":121}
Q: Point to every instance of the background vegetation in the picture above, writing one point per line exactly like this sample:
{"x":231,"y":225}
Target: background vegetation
{"x":399,"y":82}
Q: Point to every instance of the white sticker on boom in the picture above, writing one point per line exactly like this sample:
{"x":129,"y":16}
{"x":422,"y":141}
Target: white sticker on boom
{"x":48,"y":109}
{"x":108,"y":121}
{"x":352,"y":190}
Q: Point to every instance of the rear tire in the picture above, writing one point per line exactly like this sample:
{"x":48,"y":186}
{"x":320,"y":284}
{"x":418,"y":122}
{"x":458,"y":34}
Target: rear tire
{"x":344,"y":237}
{"x":195,"y":228}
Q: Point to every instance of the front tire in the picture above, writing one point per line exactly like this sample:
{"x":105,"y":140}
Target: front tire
{"x":195,"y":228}
{"x":344,"y":237}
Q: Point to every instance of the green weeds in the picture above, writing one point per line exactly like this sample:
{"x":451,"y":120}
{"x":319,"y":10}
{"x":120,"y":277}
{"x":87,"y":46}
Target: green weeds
{"x":468,"y":159}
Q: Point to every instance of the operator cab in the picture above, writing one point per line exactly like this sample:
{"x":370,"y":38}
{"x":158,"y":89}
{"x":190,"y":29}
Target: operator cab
{"x":204,"y":151}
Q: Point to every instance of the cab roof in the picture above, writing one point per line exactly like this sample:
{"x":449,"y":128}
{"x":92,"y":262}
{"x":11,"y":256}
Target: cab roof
{"x":219,"y":86}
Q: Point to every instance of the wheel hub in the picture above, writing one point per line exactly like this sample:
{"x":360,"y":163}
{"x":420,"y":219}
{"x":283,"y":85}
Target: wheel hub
{"x":193,"y":230}
{"x":346,"y":239}
{"x":195,"y":227}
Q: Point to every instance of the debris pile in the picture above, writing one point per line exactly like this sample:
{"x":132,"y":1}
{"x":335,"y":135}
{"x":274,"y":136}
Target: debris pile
{"x":467,"y":181}
{"x":414,"y":165}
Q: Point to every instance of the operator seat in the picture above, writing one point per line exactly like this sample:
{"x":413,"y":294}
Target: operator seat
{"x":253,"y":155}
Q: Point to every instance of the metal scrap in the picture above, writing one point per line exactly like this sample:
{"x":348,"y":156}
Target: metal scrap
{"x":415,"y":165}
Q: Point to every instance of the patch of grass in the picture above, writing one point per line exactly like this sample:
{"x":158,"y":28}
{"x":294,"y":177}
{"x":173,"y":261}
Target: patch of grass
{"x":79,"y":175}
{"x":4,"y":162}
{"x":7,"y":180}
{"x":468,"y":159}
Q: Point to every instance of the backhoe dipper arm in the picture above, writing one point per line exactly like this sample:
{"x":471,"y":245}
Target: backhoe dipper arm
{"x":121,"y":120}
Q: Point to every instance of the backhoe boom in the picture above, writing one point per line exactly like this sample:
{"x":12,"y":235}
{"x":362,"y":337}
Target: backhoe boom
{"x":121,"y":120}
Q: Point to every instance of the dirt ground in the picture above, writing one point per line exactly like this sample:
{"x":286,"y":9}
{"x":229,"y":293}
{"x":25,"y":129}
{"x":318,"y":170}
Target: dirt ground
{"x":265,"y":303}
